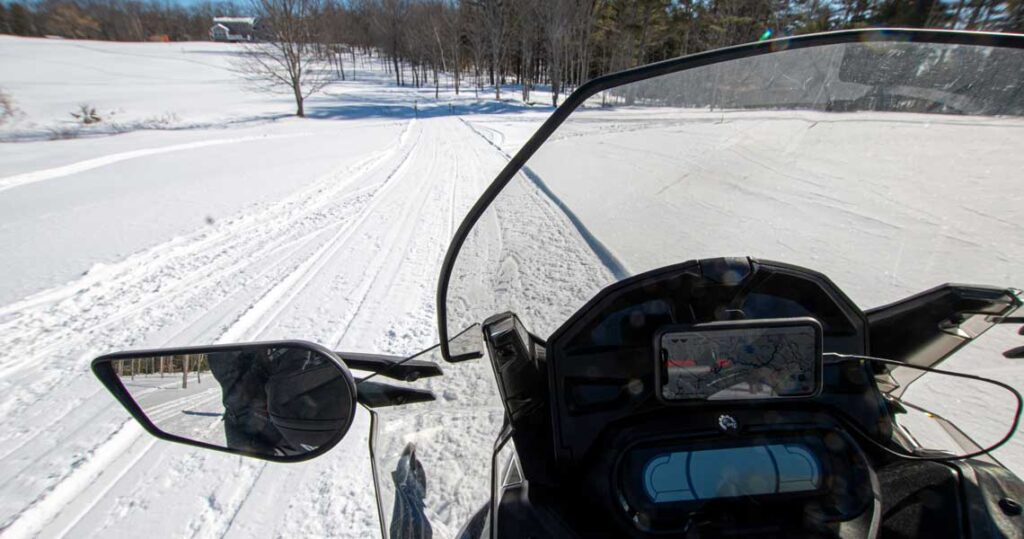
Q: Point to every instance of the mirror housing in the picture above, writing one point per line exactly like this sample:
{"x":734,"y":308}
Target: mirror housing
{"x":283,"y":401}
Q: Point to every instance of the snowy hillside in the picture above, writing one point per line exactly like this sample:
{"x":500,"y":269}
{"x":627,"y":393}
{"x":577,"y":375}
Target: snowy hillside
{"x":213,"y":217}
{"x":329,"y":229}
{"x":130,"y":85}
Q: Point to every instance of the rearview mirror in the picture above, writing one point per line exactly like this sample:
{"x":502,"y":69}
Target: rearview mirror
{"x":283,"y":401}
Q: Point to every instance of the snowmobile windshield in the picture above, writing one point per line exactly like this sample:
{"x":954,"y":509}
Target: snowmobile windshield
{"x":890,"y":161}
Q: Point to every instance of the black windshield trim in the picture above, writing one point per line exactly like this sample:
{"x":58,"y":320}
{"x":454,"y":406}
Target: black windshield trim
{"x":604,"y":82}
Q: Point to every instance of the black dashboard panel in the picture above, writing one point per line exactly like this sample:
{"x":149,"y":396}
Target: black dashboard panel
{"x":599,"y":448}
{"x":599,"y":362}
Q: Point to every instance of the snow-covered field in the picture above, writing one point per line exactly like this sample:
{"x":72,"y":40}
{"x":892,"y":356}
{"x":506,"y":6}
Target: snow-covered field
{"x":215,"y":217}
{"x":250,"y":226}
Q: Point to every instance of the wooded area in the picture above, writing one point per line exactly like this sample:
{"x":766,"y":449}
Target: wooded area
{"x":473,"y":44}
{"x":180,"y":365}
{"x":112,"y":20}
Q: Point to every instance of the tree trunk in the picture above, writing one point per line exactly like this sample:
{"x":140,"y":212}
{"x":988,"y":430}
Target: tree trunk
{"x":398,"y":75}
{"x":300,"y":110}
{"x":456,"y":68}
{"x":496,"y":78}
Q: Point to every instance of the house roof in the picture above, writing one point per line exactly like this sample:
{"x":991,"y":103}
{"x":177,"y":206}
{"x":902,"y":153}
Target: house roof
{"x":227,"y":21}
{"x":235,"y":25}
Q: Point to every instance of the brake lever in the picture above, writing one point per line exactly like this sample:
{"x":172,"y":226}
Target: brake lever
{"x":379,"y":394}
{"x":1014,"y":353}
{"x":1018,"y":352}
{"x":394,"y":367}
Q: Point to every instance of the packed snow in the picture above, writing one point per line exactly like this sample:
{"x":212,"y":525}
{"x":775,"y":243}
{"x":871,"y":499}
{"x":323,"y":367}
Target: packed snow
{"x":233,"y":223}
{"x":907,"y":203}
{"x":199,"y":212}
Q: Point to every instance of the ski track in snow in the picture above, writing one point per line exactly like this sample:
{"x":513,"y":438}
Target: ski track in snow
{"x":349,"y":260}
{"x":313,"y":265}
{"x":18,"y":180}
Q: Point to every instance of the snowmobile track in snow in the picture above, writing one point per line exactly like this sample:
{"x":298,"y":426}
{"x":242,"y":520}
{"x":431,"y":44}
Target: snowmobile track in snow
{"x":45,"y":306}
{"x":238,"y":281}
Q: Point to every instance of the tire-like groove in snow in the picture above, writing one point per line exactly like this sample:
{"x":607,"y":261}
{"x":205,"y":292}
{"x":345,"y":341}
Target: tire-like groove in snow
{"x":41,"y":511}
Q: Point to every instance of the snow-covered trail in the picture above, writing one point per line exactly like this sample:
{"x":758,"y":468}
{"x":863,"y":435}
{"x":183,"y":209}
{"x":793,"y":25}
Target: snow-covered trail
{"x":98,"y":201}
{"x":242,"y":225}
{"x":349,"y":260}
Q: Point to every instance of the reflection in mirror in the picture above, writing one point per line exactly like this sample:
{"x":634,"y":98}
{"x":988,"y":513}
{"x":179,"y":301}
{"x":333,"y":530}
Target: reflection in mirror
{"x":467,"y":344}
{"x":266,"y":400}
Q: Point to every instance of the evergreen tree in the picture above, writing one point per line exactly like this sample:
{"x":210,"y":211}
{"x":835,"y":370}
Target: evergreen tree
{"x":4,"y":27}
{"x":20,"y":20}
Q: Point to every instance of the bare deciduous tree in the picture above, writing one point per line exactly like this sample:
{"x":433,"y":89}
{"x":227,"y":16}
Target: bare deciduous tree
{"x":496,"y":20}
{"x":561,"y":43}
{"x":289,"y":56}
{"x":389,"y":20}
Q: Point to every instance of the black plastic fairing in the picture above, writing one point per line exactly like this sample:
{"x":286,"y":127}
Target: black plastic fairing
{"x":522,"y":383}
{"x":922,"y":499}
{"x":599,"y":362}
{"x":926,"y":328}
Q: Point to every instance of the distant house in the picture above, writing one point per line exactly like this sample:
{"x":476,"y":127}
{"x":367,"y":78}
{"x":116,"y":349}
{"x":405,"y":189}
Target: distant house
{"x":232,"y":29}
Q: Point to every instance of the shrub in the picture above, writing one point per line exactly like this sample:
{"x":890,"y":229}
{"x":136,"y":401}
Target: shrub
{"x":7,"y":109}
{"x":87,"y":115}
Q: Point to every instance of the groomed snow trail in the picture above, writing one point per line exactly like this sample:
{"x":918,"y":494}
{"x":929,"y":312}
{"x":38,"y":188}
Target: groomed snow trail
{"x":349,"y":261}
{"x":333,"y":230}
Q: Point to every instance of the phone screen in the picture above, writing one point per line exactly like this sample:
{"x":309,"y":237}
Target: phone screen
{"x":740,"y":361}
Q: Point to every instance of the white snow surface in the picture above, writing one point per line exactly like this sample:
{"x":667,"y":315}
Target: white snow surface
{"x":210,"y":217}
{"x":233,"y":223}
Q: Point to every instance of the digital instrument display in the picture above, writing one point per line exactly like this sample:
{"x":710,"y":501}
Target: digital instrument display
{"x":743,"y":360}
{"x":707,"y":474}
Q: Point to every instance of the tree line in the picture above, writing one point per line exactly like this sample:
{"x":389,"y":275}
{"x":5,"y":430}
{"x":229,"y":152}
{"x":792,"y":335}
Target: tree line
{"x":114,"y":20}
{"x":164,"y":365}
{"x":476,"y":44}
{"x":563,"y":43}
